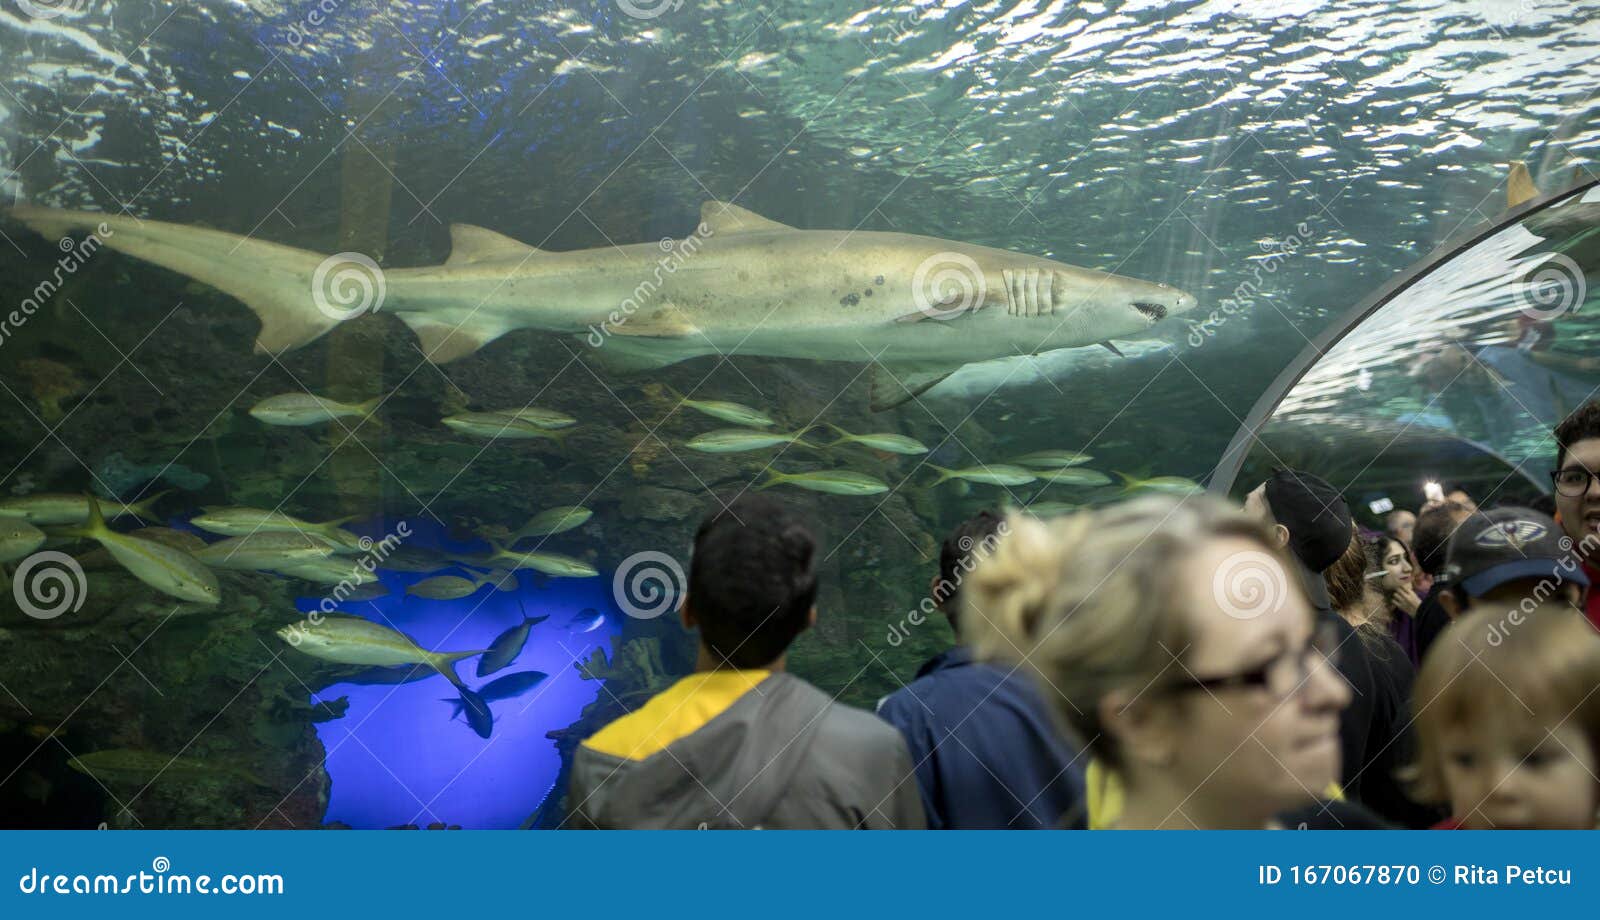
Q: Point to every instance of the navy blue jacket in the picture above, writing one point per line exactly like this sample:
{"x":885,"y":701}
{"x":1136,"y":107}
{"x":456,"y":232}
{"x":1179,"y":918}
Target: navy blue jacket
{"x":986,"y":751}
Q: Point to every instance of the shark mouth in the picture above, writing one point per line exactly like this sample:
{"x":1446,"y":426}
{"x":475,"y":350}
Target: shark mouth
{"x":1156,"y":312}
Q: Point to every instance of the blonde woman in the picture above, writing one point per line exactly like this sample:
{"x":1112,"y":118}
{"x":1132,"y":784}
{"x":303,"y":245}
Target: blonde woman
{"x":1174,"y":640}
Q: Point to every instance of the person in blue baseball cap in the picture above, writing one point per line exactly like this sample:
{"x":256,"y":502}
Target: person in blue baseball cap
{"x":1510,"y":557}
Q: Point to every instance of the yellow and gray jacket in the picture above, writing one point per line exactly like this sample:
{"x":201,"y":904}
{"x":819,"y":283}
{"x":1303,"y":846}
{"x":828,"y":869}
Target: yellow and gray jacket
{"x":744,"y":749}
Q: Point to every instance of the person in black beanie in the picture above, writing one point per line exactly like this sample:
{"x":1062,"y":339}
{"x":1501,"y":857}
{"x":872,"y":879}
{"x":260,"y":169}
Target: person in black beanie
{"x":1312,"y":520}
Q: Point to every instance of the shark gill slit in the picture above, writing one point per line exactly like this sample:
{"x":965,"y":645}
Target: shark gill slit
{"x":1028,"y":291}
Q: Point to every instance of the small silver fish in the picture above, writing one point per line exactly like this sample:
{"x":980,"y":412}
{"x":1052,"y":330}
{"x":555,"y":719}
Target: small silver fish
{"x":1076,"y":476}
{"x":548,"y":563}
{"x":498,"y":426}
{"x":300,"y":409}
{"x":833,"y":482}
{"x":352,"y":640}
{"x":446,"y":587}
{"x":725,"y":411}
{"x":238,"y":522}
{"x":1052,"y":459}
{"x":177,"y":539}
{"x":544,"y":418}
{"x":18,"y":538}
{"x":1169,"y":485}
{"x":170,"y":571}
{"x":553,"y":521}
{"x":50,"y":508}
{"x":734,"y":440}
{"x":265,"y":551}
{"x":329,"y":570}
{"x":888,"y":441}
{"x":999,"y":474}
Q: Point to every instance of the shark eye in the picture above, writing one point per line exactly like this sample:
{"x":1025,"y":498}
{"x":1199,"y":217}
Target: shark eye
{"x":1155,"y":311}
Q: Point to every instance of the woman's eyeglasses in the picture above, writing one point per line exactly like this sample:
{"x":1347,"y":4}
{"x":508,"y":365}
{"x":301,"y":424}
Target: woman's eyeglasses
{"x":1283,"y":676}
{"x":1573,"y":481}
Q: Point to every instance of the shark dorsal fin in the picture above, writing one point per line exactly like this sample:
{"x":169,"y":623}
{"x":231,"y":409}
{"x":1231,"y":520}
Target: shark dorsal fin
{"x":721,"y":217}
{"x":1519,"y":186}
{"x":470,"y":244}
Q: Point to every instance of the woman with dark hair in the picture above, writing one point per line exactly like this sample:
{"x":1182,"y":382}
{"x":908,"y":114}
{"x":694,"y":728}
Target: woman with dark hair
{"x":1389,"y":571}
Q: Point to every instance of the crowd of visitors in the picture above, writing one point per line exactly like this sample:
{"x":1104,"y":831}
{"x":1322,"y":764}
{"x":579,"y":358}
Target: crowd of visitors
{"x":1156,"y":663}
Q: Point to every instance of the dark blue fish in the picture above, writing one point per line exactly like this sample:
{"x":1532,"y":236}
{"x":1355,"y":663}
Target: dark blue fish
{"x":586,"y":620}
{"x":477,"y":710}
{"x":503,"y":688}
{"x":507,"y":646}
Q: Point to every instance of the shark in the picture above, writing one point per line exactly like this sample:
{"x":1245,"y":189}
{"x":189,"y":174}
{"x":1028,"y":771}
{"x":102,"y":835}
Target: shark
{"x":915,"y":308}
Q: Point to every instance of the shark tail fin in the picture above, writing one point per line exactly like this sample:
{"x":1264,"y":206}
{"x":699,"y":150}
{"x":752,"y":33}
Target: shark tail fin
{"x":297,"y":294}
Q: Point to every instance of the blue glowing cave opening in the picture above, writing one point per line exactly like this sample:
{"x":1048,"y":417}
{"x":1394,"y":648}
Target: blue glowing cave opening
{"x":397,"y":757}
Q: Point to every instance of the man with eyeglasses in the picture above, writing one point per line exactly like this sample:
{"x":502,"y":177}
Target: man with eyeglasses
{"x":1578,"y":492}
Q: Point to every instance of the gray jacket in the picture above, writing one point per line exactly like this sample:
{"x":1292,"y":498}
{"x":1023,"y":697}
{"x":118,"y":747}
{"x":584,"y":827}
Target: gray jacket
{"x":782,"y":756}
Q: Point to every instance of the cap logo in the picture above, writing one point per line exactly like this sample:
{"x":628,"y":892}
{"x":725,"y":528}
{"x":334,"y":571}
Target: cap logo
{"x":1513,"y":534}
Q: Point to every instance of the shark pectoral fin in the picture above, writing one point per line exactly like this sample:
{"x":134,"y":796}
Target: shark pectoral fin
{"x":1112,"y":348}
{"x":443,"y":342}
{"x":892,"y":386}
{"x":1519,"y":186}
{"x":721,"y":217}
{"x":633,"y":356}
{"x":469,"y":244}
{"x":663,"y":322}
